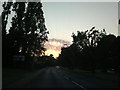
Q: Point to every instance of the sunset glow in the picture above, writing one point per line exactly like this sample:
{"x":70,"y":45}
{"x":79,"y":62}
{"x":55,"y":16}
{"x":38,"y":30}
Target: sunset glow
{"x":50,"y":51}
{"x":53,"y":46}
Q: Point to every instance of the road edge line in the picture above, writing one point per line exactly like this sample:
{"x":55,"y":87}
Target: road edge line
{"x":79,"y":85}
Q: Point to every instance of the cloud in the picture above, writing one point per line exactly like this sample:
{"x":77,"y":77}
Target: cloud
{"x":56,"y":44}
{"x":53,"y":46}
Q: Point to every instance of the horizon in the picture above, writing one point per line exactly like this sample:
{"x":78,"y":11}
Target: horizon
{"x":64,"y":18}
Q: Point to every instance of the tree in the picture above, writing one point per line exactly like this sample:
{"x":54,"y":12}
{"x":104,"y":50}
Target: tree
{"x":108,"y":50}
{"x":91,"y":50}
{"x":34,"y":15}
{"x":87,"y":42}
{"x":5,"y":15}
{"x":82,"y":53}
{"x":27,"y":33}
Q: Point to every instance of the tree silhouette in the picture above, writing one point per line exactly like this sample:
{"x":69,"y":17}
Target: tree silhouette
{"x":5,"y":14}
{"x":87,"y":42}
{"x":5,"y":44}
{"x":107,"y":49}
{"x":91,"y":50}
{"x":27,"y":33}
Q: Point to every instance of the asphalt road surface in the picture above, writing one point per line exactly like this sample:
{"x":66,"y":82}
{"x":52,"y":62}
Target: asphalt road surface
{"x":52,"y":77}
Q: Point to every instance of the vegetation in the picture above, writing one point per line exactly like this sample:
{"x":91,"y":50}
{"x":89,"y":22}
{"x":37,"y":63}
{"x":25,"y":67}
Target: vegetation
{"x":23,"y":47}
{"x":92,"y":50}
{"x":27,"y":33}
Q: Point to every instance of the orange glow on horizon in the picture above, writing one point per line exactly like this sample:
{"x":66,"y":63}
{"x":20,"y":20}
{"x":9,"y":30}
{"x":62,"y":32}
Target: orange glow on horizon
{"x":53,"y":46}
{"x":51,"y":51}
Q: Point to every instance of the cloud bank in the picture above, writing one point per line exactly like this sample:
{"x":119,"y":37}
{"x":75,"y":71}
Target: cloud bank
{"x":53,"y":46}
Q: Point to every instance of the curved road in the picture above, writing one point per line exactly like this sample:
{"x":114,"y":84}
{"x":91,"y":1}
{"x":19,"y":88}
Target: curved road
{"x":52,"y":77}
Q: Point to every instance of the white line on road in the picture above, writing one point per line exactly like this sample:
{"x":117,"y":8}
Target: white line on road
{"x":76,"y":83}
{"x":79,"y":85}
{"x":66,"y":77}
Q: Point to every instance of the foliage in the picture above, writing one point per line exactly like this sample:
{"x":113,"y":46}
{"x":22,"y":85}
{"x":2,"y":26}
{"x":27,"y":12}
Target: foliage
{"x":27,"y":33}
{"x":91,"y":50}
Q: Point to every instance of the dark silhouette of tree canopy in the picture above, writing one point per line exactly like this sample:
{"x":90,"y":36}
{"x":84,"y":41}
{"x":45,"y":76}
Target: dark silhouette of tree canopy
{"x":91,"y":50}
{"x":108,"y":50}
{"x":5,"y":15}
{"x":27,"y":33}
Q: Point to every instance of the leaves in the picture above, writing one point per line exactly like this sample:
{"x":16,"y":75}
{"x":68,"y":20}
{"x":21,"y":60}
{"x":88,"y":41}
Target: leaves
{"x":28,"y":30}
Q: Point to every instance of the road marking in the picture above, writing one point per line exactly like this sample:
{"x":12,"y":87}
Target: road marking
{"x":79,"y":85}
{"x":75,"y":83}
{"x":66,"y":77}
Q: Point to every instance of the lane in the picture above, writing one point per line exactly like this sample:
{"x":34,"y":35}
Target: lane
{"x":50,"y":78}
{"x":91,"y":82}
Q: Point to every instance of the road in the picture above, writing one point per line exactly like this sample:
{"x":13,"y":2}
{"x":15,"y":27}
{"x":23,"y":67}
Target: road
{"x":52,"y":77}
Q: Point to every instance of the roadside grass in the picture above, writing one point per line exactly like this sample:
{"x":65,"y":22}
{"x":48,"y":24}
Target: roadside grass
{"x":100,"y":75}
{"x":11,"y":75}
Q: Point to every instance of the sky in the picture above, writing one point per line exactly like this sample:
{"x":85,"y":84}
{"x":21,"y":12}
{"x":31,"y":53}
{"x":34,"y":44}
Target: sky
{"x":54,"y":46}
{"x":64,"y":18}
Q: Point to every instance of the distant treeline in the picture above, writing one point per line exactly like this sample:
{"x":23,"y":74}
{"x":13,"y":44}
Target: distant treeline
{"x":92,"y":50}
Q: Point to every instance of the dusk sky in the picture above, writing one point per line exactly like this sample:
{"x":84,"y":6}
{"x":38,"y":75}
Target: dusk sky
{"x":64,"y":18}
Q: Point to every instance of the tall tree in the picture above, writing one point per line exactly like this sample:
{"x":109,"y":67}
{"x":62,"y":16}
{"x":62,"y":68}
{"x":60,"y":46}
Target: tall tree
{"x":82,"y":53}
{"x":35,"y":28}
{"x":4,"y":16}
{"x":27,"y":33}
